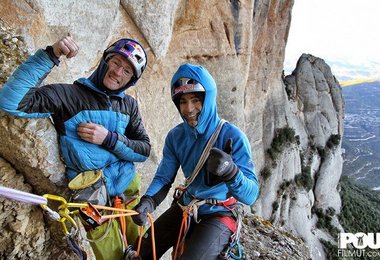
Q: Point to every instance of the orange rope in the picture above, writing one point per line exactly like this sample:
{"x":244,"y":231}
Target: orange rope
{"x":184,"y":226}
{"x":117,"y":204}
{"x":152,"y":237}
{"x":129,"y":212}
{"x":140,"y":239}
{"x":118,"y":215}
{"x":115,"y":209}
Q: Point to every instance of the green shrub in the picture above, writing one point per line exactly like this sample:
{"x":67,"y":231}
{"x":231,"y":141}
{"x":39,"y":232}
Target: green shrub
{"x":330,"y":250}
{"x":359,"y":203}
{"x":282,"y":137}
{"x":272,"y":154}
{"x":322,"y":153}
{"x":330,"y":211}
{"x":284,"y":185}
{"x":265,"y":173}
{"x":324,"y":221}
{"x":275,"y":206}
{"x":298,"y":141}
{"x":304,"y":179}
{"x":333,"y":141}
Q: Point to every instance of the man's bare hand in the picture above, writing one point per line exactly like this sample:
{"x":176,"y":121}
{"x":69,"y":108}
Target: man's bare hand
{"x":92,"y":133}
{"x":66,"y":46}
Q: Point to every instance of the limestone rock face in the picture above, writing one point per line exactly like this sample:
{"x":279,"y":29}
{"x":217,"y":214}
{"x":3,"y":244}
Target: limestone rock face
{"x":19,"y":221}
{"x":315,"y":110}
{"x":155,"y":20}
{"x":241,"y":43}
{"x":24,"y":232}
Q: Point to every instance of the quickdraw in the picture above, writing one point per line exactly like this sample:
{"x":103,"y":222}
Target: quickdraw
{"x":233,"y":249}
{"x":88,"y":209}
{"x":66,"y":211}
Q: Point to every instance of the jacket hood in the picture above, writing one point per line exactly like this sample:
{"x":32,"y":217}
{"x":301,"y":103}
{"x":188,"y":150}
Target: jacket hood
{"x":97,"y":78}
{"x":208,"y":118}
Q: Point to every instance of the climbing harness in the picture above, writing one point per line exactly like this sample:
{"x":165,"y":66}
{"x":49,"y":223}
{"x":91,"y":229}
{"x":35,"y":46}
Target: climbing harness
{"x":67,"y":210}
{"x":191,"y":210}
{"x":233,"y":249}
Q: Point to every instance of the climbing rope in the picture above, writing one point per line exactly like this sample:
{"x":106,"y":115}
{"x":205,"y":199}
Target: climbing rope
{"x":123,"y":226}
{"x":22,"y":196}
{"x":185,"y":225}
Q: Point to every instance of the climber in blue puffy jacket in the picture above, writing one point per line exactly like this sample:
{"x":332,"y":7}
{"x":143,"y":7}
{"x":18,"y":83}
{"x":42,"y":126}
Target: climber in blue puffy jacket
{"x":226,"y":179}
{"x":99,"y":126}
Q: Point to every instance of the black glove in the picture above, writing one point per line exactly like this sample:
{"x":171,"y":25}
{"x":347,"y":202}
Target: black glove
{"x":145,"y":206}
{"x":220,"y":162}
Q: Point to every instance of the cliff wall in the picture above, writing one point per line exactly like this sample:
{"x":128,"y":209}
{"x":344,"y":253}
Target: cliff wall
{"x":242,"y":43}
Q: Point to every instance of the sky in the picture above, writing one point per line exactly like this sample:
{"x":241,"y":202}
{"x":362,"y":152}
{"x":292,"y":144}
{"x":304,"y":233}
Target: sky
{"x":345,"y":33}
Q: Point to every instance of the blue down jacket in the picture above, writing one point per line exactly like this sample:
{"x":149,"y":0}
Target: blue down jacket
{"x":69,"y":105}
{"x":184,"y":145}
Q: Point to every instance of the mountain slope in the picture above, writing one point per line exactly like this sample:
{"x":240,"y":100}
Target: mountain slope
{"x":361,"y":139}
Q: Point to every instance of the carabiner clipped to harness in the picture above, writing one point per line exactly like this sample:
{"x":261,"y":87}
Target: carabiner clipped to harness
{"x":131,"y":254}
{"x":233,"y":250}
{"x":178,"y":192}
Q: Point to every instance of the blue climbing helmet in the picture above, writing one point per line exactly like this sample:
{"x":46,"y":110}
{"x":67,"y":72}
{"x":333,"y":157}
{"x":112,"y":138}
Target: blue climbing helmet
{"x":132,"y":51}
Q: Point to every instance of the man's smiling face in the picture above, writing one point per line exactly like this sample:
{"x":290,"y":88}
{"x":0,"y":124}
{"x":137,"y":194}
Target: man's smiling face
{"x":119,"y":72}
{"x":190,"y":107}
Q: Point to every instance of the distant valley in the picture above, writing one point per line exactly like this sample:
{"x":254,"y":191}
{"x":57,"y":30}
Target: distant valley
{"x":361,"y":139}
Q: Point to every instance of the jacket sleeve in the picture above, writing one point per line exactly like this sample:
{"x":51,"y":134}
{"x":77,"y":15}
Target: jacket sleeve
{"x":18,"y":94}
{"x":244,"y":186}
{"x":134,"y":145}
{"x":166,"y":172}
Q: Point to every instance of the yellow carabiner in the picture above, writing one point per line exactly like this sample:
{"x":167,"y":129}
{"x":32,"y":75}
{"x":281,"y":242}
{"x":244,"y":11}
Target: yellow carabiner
{"x":63,"y":211}
{"x":53,"y":197}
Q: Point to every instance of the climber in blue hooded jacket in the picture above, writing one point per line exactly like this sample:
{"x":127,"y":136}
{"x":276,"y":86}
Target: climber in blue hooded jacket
{"x":224,"y":181}
{"x":99,"y":126}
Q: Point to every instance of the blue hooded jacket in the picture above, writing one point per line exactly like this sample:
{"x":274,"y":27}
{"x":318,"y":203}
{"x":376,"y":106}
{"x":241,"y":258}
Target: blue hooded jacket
{"x":184,"y":146}
{"x":71,"y":104}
